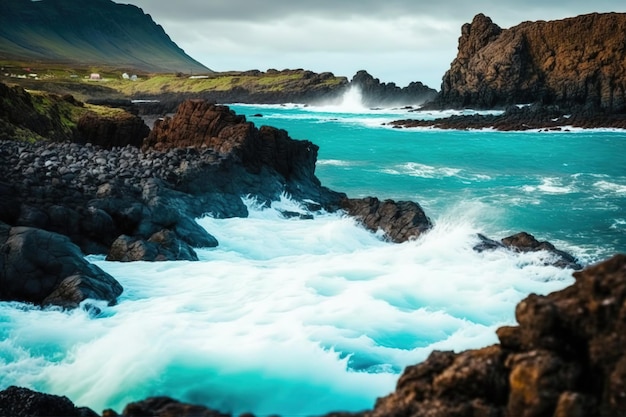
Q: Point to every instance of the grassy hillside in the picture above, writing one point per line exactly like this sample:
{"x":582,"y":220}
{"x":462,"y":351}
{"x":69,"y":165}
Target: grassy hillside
{"x":97,"y":32}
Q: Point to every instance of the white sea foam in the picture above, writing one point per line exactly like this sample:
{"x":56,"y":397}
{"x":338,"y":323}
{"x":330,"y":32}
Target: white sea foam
{"x":295,"y":317}
{"x":335,"y":162}
{"x":550,"y":185}
{"x":416,"y":169}
{"x":610,"y":187}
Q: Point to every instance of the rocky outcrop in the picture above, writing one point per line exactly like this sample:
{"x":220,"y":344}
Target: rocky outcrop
{"x":399,"y":221}
{"x":525,"y":242}
{"x":121,"y":129}
{"x":278,"y":163}
{"x":26,"y":117}
{"x":534,"y":117}
{"x":165,"y":407}
{"x":374,"y":93}
{"x":29,"y":117}
{"x":45,"y":268}
{"x":574,"y":63}
{"x":23,"y":402}
{"x":161,"y":246}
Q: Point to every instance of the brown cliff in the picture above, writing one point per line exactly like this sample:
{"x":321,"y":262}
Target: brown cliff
{"x":276,"y":161}
{"x":577,"y":63}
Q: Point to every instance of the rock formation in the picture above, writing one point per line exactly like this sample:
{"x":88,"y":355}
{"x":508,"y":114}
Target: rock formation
{"x":399,"y":221}
{"x":279,"y":163}
{"x":534,"y":117}
{"x":29,"y":117}
{"x":375,"y":94}
{"x":525,"y":242}
{"x":45,"y":268}
{"x":575,"y":63}
{"x":22,"y":402}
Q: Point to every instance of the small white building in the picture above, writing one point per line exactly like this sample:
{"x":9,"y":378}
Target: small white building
{"x":126,"y":76}
{"x":133,"y":77}
{"x":95,"y":76}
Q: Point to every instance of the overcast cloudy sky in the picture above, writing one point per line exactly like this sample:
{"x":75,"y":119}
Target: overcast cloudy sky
{"x":394,"y":40}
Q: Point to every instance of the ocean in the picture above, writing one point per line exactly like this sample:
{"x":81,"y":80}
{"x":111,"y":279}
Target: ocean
{"x":303,"y":317}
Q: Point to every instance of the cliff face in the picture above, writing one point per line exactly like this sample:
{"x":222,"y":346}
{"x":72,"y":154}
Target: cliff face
{"x":578,"y":62}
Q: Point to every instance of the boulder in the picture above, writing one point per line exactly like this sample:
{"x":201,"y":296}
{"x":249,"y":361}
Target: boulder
{"x":46,"y":268}
{"x":120,"y":129}
{"x":525,"y":242}
{"x":400,"y":221}
{"x":23,"y":402}
{"x":161,"y":246}
{"x":166,"y":407}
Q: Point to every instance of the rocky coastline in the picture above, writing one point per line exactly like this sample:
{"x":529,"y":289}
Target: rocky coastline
{"x":522,"y":118}
{"x":60,"y":200}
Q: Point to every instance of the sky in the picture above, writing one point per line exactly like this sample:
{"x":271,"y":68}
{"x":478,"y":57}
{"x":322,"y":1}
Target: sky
{"x":394,"y":40}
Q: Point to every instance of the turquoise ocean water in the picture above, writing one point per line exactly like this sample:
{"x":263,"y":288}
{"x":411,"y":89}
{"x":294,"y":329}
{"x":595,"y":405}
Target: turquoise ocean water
{"x":303,"y":317}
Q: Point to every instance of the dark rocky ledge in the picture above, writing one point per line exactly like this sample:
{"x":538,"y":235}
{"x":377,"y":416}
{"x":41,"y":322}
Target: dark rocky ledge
{"x":564,"y":358}
{"x":514,"y":118}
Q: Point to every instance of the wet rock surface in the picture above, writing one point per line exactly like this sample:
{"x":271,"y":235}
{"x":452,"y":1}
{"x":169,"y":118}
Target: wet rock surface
{"x":525,"y":242}
{"x":399,"y":221}
{"x":45,"y":268}
{"x":535,"y":117}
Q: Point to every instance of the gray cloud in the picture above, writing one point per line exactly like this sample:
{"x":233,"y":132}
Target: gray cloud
{"x":395,"y":40}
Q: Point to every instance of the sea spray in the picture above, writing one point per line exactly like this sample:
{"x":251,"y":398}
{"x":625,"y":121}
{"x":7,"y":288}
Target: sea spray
{"x":287,"y":316}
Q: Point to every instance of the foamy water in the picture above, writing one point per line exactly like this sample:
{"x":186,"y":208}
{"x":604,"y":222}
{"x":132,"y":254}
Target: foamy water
{"x":295,"y":317}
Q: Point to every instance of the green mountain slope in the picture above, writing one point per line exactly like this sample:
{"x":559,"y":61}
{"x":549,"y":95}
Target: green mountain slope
{"x":89,"y":32}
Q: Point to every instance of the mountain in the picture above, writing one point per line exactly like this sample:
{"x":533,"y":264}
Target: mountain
{"x":93,"y":32}
{"x":574,"y":63}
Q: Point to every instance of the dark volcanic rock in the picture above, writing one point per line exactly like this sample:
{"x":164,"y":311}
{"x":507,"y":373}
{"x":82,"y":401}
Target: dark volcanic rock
{"x":168,"y":407}
{"x":525,"y":242}
{"x":400,"y":221}
{"x":23,"y":402}
{"x":374,"y":93}
{"x":574,"y":62}
{"x":162,"y":246}
{"x":108,"y":131}
{"x":277,"y":162}
{"x":534,"y":117}
{"x":46,"y":268}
